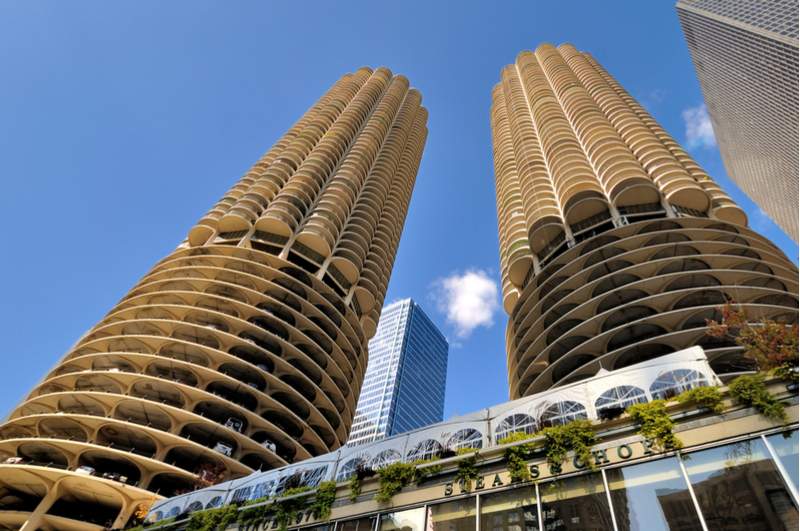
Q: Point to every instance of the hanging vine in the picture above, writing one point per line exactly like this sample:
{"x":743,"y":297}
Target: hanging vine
{"x":708,"y":397}
{"x":323,"y":501}
{"x":655,"y":424}
{"x":576,"y":436}
{"x":467,"y":471}
{"x":750,"y":390}
{"x":212,"y":519}
{"x":289,"y":506}
{"x":392,"y":478}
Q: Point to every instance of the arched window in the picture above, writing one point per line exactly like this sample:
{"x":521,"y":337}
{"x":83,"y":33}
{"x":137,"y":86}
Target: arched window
{"x":613,"y":402}
{"x":466,"y":438}
{"x":347,"y":470}
{"x":313,"y":476}
{"x":385,"y":458}
{"x":424,"y":450}
{"x":262,"y":489}
{"x":194,"y":506}
{"x":216,"y":501}
{"x":519,"y":423}
{"x":675,"y":382}
{"x":562,"y":413}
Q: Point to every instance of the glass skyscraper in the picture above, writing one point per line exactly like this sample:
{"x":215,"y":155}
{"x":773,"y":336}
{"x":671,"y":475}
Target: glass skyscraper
{"x":404,"y":384}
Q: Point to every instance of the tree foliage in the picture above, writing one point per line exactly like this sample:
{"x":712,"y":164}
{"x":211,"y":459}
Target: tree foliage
{"x":773,"y":345}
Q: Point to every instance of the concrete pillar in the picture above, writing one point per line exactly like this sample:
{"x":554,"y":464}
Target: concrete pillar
{"x":34,"y":521}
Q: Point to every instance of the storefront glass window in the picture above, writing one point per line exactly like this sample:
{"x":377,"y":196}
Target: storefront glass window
{"x":366,"y":523}
{"x":575,"y":504}
{"x":785,"y":445}
{"x":411,"y":520}
{"x":456,"y":515}
{"x":512,"y":510}
{"x":652,"y":496}
{"x":739,"y":487}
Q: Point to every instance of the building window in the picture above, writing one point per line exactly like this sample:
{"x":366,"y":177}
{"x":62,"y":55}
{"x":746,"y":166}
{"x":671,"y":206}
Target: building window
{"x":613,"y":402}
{"x":739,"y":487}
{"x":652,"y":496}
{"x":513,"y":424}
{"x":456,"y":515}
{"x":427,"y":449}
{"x":675,"y":382}
{"x":785,"y":445}
{"x":512,"y":510}
{"x":365,"y":523}
{"x":411,"y":520}
{"x":385,"y":458}
{"x":578,"y":503}
{"x":562,"y":412}
{"x":466,"y":438}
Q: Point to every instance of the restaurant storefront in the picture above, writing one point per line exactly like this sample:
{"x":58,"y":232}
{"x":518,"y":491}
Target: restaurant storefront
{"x":747,"y":484}
{"x":737,"y":470}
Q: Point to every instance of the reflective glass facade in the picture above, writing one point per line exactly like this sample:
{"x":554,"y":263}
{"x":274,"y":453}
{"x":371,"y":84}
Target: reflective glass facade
{"x":747,"y":485}
{"x":405,"y":379}
{"x":745,"y":53}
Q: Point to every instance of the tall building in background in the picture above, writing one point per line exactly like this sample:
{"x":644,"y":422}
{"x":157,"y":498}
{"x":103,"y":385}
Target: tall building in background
{"x":615,"y":246}
{"x":745,"y":53}
{"x":245,"y":348}
{"x":405,"y":381}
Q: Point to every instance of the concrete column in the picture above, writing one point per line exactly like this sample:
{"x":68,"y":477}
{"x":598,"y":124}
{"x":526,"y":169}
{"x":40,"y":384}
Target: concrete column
{"x":35,"y":520}
{"x":124,"y":514}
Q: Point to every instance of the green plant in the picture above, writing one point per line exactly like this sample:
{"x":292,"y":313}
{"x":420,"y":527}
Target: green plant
{"x":323,"y":501}
{"x":655,"y":424}
{"x":212,"y":519}
{"x":289,"y":505}
{"x":466,"y":450}
{"x":159,"y":524}
{"x":254,"y":501}
{"x":576,"y":436}
{"x":708,"y":397}
{"x":355,"y":487}
{"x":392,"y":478}
{"x":786,"y":371}
{"x":751,"y":391}
{"x":467,"y":471}
{"x":515,"y":436}
{"x":252,"y":516}
{"x":423,"y":472}
{"x":516,"y":460}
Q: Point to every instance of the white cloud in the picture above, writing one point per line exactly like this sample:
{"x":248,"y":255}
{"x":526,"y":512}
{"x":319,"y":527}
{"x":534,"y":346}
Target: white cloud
{"x":469,"y":300}
{"x":759,"y":220}
{"x":699,"y":132}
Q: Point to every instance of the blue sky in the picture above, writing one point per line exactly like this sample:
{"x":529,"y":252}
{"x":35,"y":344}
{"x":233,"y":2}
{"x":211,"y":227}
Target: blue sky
{"x":121,"y":123}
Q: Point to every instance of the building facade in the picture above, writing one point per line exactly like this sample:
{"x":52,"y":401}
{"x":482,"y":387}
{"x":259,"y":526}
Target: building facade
{"x":245,"y":348}
{"x":736,"y":470}
{"x":406,"y":375}
{"x":615,"y":246}
{"x":745,"y":53}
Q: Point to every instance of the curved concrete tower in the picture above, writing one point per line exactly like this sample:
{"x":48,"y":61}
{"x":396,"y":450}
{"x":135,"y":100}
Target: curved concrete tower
{"x":615,"y":246}
{"x":245,"y":348}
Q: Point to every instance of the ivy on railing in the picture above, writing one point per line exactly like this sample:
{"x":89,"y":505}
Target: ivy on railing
{"x":751,"y":391}
{"x":708,"y":397}
{"x":576,"y":436}
{"x":655,"y":424}
{"x":394,"y":477}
